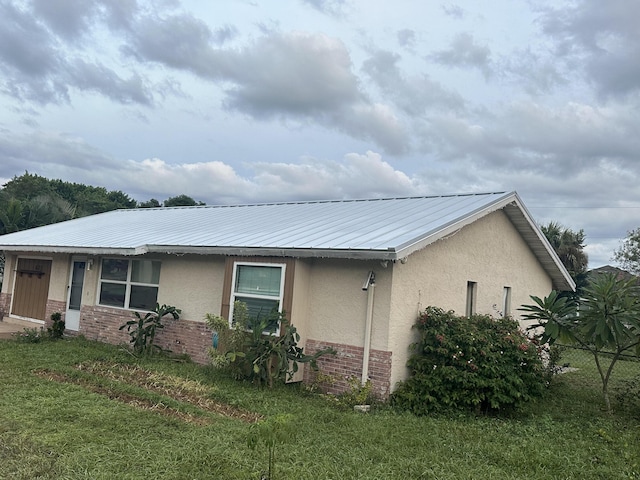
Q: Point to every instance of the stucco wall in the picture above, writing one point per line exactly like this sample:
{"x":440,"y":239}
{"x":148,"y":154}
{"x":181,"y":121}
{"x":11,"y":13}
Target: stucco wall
{"x":338,"y":305}
{"x":192,"y":283}
{"x":490,"y":252}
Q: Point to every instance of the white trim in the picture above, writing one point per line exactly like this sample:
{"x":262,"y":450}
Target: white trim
{"x":127,"y":283}
{"x":283,"y":269}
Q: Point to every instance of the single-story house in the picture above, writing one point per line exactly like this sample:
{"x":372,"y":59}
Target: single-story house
{"x":349,"y":274}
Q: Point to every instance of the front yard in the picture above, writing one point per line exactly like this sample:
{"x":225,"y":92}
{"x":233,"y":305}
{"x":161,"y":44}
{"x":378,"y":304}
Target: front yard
{"x":74,"y":409}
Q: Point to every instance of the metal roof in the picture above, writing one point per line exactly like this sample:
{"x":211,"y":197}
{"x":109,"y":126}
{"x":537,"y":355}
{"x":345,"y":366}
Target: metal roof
{"x":384,"y":229}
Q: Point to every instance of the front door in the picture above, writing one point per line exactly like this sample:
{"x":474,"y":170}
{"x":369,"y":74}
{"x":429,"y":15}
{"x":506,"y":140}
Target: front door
{"x":31,"y":288}
{"x":76,"y":282}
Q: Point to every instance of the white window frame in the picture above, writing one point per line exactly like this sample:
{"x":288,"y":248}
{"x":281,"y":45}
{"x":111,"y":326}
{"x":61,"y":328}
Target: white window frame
{"x":128,"y":283}
{"x":279,"y":298}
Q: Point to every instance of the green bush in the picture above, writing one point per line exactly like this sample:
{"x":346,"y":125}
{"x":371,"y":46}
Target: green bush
{"x":252,"y":351}
{"x":478,"y":363}
{"x":56,"y":330}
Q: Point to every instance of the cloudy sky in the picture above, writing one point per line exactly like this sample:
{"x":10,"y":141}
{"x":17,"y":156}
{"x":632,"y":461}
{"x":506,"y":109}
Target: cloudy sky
{"x":252,"y":101}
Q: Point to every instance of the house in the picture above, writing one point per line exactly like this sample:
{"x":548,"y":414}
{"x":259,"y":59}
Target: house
{"x":350,"y":274}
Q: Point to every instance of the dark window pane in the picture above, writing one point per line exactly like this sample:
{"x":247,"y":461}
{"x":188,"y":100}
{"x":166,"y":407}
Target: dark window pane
{"x":113,"y":269}
{"x":143,"y":298}
{"x":259,"y":309}
{"x":112,"y":294}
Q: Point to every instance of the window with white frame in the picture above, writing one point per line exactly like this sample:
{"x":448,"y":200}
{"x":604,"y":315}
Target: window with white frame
{"x":131,"y":284}
{"x":261,"y":287}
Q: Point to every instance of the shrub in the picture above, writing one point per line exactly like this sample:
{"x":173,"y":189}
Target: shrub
{"x":56,"y":330}
{"x":477,"y":363}
{"x":142,"y":330}
{"x":251,"y":351}
{"x":29,"y":335}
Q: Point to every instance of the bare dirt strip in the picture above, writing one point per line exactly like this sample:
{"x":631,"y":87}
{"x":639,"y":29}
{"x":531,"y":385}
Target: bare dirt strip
{"x":176,"y":388}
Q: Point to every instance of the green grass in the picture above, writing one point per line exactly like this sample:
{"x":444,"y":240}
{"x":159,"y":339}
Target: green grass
{"x":78,"y":429}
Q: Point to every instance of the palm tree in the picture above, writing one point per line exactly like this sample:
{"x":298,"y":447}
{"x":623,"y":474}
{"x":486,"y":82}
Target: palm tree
{"x":569,"y":246}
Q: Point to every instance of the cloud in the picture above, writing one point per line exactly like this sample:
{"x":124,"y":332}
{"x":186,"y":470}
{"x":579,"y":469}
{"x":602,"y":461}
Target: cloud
{"x":464,"y":52}
{"x":295,"y":73}
{"x":416,"y":95}
{"x":328,"y":7}
{"x":602,"y":39}
{"x":69,"y":19}
{"x":406,"y":38}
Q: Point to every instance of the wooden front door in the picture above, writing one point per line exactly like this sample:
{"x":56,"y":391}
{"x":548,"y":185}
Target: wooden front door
{"x":31,"y":288}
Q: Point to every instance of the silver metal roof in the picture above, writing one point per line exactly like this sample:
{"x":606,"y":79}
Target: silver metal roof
{"x":384,"y":229}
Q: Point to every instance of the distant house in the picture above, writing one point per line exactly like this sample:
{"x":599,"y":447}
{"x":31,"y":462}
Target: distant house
{"x":350,"y":274}
{"x":619,"y":273}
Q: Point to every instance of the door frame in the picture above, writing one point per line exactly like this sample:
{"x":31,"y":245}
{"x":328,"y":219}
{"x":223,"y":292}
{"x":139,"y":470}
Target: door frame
{"x":72,"y":316}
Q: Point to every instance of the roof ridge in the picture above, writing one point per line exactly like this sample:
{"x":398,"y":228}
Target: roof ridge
{"x":311,"y":202}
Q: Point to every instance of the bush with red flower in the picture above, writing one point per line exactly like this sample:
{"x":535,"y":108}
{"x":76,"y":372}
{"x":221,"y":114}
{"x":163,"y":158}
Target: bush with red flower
{"x":479,"y":363}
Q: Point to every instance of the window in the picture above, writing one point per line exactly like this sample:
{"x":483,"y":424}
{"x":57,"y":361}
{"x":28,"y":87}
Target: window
{"x":506,"y":302}
{"x":472,"y":291}
{"x":129,"y":284}
{"x":261,"y":287}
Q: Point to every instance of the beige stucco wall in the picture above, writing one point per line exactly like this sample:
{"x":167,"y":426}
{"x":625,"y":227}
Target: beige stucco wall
{"x":192,"y":283}
{"x":490,"y":252}
{"x":338,"y":305}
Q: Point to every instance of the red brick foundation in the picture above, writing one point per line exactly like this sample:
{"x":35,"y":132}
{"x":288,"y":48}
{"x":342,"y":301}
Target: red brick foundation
{"x":346,"y":364}
{"x":179,"y":336}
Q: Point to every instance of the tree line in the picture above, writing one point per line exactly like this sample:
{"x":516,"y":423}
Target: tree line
{"x":29,"y":201}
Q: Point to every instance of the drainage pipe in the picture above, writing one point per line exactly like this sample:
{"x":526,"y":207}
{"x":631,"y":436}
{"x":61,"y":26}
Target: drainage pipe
{"x":370,"y":287}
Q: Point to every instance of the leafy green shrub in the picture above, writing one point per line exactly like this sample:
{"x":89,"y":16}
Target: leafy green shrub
{"x":29,"y":335}
{"x":357,"y":394}
{"x":477,"y":363}
{"x":56,"y":330}
{"x":251,"y":351}
{"x":142,"y":330}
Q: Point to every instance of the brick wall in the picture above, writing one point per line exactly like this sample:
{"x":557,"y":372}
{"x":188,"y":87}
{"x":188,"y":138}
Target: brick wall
{"x":54,"y":306}
{"x":348,"y":363}
{"x":5,"y":303}
{"x":180,"y":336}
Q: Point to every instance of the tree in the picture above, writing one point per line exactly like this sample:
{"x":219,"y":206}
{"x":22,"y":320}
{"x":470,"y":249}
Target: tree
{"x":628,"y":255}
{"x":607,"y":322}
{"x":181,"y":201}
{"x":569,"y":246}
{"x":152,"y":203}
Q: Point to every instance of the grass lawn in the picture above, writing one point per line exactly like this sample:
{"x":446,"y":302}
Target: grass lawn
{"x":74,"y":409}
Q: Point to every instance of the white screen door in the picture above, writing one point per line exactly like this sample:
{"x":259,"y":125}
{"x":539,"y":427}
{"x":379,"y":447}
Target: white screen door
{"x":72,"y":317}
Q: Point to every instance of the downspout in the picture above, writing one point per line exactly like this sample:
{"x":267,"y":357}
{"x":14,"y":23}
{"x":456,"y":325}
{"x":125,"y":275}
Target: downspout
{"x":369,"y":286}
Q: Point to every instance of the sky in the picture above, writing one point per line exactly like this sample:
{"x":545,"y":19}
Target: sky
{"x":245,"y":101}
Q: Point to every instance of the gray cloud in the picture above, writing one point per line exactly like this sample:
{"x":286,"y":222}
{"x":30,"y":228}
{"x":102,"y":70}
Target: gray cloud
{"x":416,"y":95}
{"x":294,"y":73}
{"x":465,"y":52}
{"x":328,"y":7}
{"x":67,"y":18}
{"x":406,"y":38}
{"x":602,"y":36}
